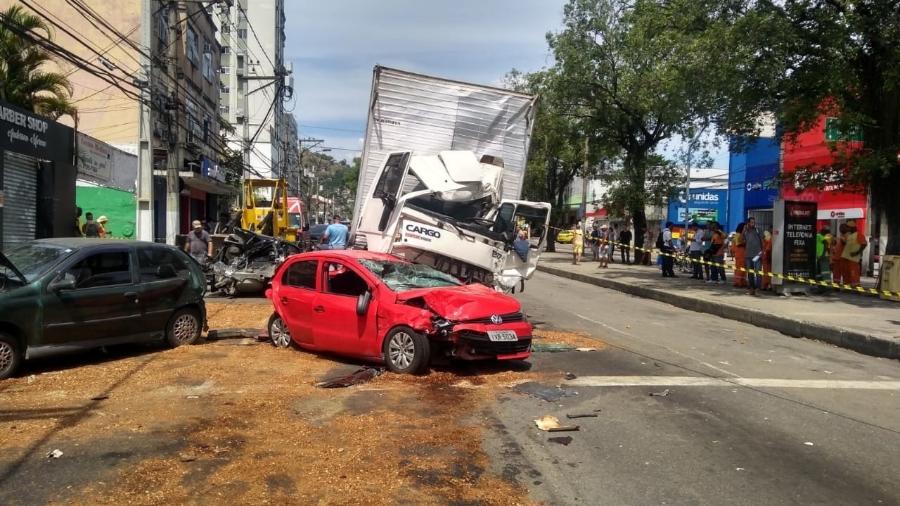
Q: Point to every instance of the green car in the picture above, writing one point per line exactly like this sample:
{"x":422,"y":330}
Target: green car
{"x":68,"y":294}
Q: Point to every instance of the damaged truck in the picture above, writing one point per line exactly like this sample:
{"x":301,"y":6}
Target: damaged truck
{"x":441,"y":176}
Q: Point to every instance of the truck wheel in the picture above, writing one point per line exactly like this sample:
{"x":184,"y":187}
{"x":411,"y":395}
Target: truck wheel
{"x":278,"y":332}
{"x":184,"y":327}
{"x":10,"y":356}
{"x":406,"y":351}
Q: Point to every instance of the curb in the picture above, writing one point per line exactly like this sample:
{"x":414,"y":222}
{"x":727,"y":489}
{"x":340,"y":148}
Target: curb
{"x":867,"y":344}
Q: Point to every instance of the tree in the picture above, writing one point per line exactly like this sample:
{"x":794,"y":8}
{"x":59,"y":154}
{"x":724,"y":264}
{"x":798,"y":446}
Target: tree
{"x":556,"y":155}
{"x":839,"y":59}
{"x":23,"y":81}
{"x":641,"y":72}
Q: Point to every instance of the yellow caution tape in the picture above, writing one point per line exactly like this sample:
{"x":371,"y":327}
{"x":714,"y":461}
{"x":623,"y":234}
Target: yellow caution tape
{"x":737,"y":268}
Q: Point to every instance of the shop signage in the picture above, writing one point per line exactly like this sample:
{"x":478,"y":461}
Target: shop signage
{"x":704,"y":206}
{"x":800,"y":238}
{"x":211,"y":170}
{"x":854,"y":213}
{"x":28,"y":134}
{"x":95,"y":159}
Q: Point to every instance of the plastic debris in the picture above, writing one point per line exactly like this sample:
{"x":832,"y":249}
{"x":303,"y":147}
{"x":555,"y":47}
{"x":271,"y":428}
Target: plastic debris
{"x":54,"y":454}
{"x":664,"y":393}
{"x":809,"y":443}
{"x":550,"y":423}
{"x":31,"y":379}
{"x":363,"y":375}
{"x":571,"y":416}
{"x":570,"y":376}
{"x":585,"y":349}
{"x":549,"y":394}
{"x":563,"y":440}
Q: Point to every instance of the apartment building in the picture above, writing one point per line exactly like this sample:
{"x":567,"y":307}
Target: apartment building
{"x":255,"y":82}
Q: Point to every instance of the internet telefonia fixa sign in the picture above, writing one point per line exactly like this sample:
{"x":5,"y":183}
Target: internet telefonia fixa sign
{"x":29,"y":134}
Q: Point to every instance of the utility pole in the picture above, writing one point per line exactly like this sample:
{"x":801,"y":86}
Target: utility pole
{"x":144,"y":218}
{"x":175,"y":143}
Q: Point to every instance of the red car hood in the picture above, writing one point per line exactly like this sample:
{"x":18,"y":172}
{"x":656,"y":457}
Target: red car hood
{"x":467,"y":302}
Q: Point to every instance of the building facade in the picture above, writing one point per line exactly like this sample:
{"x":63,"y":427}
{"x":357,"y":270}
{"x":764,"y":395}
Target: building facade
{"x":255,"y":82}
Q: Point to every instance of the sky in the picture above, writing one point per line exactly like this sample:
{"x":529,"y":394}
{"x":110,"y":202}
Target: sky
{"x":335,"y":44}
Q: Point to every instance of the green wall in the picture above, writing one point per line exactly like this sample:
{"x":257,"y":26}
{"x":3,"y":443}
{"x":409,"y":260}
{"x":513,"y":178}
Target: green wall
{"x":117,"y":205}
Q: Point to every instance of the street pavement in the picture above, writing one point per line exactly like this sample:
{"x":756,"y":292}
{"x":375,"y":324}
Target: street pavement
{"x":861,"y":322}
{"x":750,"y":416}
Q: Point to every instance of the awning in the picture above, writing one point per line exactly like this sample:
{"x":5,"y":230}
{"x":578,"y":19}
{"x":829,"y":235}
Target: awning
{"x":200,"y":182}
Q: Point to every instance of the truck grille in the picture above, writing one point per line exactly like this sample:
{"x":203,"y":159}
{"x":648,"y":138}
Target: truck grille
{"x":481,"y":345}
{"x":507,"y":318}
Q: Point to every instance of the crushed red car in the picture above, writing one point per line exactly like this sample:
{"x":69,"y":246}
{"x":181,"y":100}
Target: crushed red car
{"x":383,"y":308}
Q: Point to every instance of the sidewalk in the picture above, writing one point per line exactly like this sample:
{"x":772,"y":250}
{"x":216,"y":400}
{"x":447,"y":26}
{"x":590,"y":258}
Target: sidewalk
{"x":862,"y":323}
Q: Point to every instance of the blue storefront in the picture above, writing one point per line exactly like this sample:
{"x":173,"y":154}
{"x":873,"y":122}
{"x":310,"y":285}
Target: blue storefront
{"x":752,"y":180}
{"x":704,"y":206}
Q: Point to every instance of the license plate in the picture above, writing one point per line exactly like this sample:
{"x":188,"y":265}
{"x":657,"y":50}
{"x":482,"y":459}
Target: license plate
{"x":502,"y":335}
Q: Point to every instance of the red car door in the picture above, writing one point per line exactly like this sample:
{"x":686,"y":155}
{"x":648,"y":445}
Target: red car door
{"x":295,"y":297}
{"x":336,"y":326}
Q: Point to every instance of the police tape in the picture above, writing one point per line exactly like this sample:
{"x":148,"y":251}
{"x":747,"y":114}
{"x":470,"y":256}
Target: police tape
{"x":736,"y":268}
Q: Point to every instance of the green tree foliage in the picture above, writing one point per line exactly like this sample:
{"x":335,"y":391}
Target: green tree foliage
{"x":642,"y":72}
{"x":23,"y":81}
{"x":841,"y":59}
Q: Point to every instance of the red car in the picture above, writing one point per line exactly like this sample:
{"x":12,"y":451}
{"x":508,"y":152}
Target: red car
{"x":380,"y":307}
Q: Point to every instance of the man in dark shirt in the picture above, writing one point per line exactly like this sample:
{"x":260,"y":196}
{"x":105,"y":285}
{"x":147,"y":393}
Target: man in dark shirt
{"x":625,"y":245}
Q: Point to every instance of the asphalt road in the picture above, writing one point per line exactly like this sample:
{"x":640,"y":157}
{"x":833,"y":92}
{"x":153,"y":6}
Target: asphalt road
{"x":750,"y":417}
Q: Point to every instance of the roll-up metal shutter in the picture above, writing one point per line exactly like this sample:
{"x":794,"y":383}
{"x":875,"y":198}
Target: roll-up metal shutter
{"x":20,"y":191}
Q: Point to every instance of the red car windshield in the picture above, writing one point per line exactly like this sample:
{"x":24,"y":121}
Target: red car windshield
{"x":400,"y":276}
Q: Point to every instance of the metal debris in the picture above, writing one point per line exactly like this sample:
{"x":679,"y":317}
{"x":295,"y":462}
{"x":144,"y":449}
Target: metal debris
{"x":54,"y":454}
{"x":664,"y":393}
{"x":581,"y":415}
{"x":363,"y":375}
{"x":570,"y":376}
{"x":563,"y":440}
{"x":551,"y":347}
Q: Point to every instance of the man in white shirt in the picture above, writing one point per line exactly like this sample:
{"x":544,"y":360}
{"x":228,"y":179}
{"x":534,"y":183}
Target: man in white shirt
{"x":667,"y":249}
{"x":696,"y":252}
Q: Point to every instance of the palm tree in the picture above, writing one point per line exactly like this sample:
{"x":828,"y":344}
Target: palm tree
{"x":22,"y":80}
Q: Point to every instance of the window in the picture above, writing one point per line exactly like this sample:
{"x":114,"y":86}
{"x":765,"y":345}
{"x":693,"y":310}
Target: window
{"x":192,"y":49}
{"x":226,"y":49}
{"x":240,"y":61}
{"x":163,"y":26}
{"x":390,"y":180}
{"x":226,"y":70}
{"x":226,"y":28}
{"x":207,"y":61}
{"x":102,"y":269}
{"x":402,"y":276}
{"x":160,"y":263}
{"x":225,"y":90}
{"x":242,"y":33}
{"x":301,"y":275}
{"x":504,"y":220}
{"x":224,"y":110}
{"x":339,"y":280}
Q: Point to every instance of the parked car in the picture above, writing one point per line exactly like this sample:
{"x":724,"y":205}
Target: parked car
{"x":380,"y":307}
{"x":68,"y":294}
{"x":565,"y":237}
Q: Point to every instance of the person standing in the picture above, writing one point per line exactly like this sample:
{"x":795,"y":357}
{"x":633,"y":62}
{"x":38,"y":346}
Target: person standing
{"x":767,"y":261}
{"x":604,"y":247}
{"x":823,"y":250}
{"x":667,"y":250}
{"x":753,"y":244}
{"x":738,"y":251}
{"x":695,"y":252}
{"x":198,"y":243}
{"x":717,"y":254}
{"x":854,"y":245}
{"x":102,"y":221}
{"x":596,"y":236}
{"x":577,"y":243}
{"x":336,"y":234}
{"x":78,"y":231}
{"x":625,"y":245}
{"x":91,"y":228}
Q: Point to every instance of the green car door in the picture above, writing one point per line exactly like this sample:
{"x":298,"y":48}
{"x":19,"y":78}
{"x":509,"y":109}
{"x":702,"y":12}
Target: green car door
{"x":92,"y":300}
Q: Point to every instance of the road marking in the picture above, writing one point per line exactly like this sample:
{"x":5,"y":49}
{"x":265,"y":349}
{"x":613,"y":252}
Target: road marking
{"x":701,"y":381}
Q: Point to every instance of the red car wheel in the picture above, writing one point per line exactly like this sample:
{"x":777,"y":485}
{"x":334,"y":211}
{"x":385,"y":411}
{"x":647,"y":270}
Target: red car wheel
{"x":278,"y":332}
{"x":406,"y":351}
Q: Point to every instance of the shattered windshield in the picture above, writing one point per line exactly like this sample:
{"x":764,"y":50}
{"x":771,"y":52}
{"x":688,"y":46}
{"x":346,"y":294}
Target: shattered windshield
{"x":33,"y":259}
{"x":400,"y":276}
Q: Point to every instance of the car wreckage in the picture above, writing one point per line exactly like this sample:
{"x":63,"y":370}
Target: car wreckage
{"x":383,"y":308}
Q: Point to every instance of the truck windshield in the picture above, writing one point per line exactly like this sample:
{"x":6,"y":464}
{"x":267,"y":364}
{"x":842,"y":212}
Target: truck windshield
{"x":33,"y":259}
{"x":401,"y":276}
{"x":263,"y":196}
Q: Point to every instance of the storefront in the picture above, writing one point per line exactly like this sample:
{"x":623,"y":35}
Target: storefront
{"x":753,"y":181}
{"x":703,"y":207}
{"x":106,"y":184}
{"x":37,"y":177}
{"x":203,"y":195}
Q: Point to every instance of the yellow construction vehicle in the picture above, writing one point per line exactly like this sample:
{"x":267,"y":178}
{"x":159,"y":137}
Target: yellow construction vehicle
{"x":265,"y":209}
